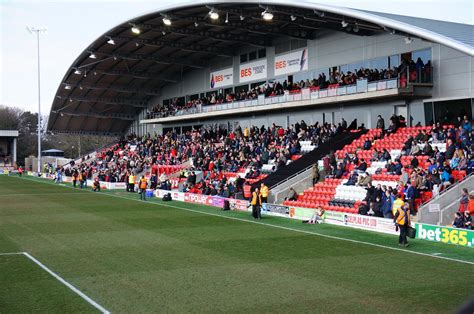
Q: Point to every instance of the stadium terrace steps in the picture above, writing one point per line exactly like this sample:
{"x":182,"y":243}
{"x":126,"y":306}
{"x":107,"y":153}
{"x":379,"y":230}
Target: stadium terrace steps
{"x":310,"y":158}
{"x":332,"y":194}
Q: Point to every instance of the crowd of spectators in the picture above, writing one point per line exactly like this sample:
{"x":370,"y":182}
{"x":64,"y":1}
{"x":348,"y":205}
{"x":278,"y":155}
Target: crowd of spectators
{"x":246,"y":151}
{"x":415,"y":177}
{"x":211,"y":150}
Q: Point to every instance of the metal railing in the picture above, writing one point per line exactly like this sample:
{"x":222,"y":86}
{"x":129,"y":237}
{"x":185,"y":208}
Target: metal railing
{"x":362,"y":86}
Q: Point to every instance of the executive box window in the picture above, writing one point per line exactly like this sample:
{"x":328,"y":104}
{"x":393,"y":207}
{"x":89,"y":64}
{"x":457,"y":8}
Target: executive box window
{"x":252,"y":55}
{"x":241,"y":88}
{"x":447,"y":111}
{"x":394,"y":61}
{"x":228,"y":91}
{"x":424,"y":55}
{"x":243,"y":58}
{"x":262,"y":53}
{"x":256,"y":84}
{"x":379,"y":63}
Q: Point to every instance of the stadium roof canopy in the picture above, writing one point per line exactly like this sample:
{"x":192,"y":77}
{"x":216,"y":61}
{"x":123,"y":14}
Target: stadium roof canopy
{"x":114,"y":78}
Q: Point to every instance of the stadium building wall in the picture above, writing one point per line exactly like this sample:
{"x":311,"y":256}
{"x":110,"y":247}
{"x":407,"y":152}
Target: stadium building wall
{"x":453,"y":79}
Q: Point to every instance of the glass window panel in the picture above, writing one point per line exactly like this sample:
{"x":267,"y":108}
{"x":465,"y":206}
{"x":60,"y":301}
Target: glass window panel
{"x":344,"y":68}
{"x":379,"y":63}
{"x":252,"y":55}
{"x":424,"y":54}
{"x":394,"y":61}
{"x":240,"y":88}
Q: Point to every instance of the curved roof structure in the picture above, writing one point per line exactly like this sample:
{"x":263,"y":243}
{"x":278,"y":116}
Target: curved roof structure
{"x":118,"y":74}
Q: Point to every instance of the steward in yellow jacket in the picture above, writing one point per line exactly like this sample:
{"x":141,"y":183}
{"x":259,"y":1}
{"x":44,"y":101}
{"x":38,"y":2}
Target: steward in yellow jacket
{"x":142,"y":186}
{"x":398,"y":203}
{"x":264,"y":193}
{"x":131,"y":182}
{"x":402,"y":221}
{"x":256,"y":202}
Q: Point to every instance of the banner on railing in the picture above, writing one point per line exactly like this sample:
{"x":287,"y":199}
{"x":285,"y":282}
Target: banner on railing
{"x":382,"y":85}
{"x":341,"y":91}
{"x":305,"y":94}
{"x":392,"y":83}
{"x":362,"y":85}
{"x":332,"y":90}
{"x":352,"y":89}
{"x":314,"y":94}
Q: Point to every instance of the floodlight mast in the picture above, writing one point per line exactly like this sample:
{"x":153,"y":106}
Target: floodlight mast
{"x":38,"y":30}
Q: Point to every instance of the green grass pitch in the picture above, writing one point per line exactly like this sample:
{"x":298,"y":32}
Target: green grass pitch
{"x":132,"y":256}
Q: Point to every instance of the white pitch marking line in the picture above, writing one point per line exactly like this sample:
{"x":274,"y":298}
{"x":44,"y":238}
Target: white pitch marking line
{"x":13,"y":253}
{"x":33,"y":194}
{"x":67,"y":284}
{"x":284,"y":228}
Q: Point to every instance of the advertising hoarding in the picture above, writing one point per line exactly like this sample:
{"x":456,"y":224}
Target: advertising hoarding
{"x":251,"y":71}
{"x":292,"y":62}
{"x":221,"y":78}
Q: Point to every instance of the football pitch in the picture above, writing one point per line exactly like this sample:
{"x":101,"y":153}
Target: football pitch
{"x":79,"y":251}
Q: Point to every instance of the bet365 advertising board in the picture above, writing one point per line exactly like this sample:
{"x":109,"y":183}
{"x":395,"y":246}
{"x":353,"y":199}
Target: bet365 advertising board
{"x":461,"y":237}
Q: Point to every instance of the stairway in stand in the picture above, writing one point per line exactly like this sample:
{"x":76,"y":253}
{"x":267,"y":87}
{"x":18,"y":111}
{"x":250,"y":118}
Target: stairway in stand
{"x":307,"y":160}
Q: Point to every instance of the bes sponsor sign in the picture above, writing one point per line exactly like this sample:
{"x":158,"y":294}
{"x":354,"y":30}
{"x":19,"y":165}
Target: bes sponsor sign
{"x":295,"y":61}
{"x":462,"y":237}
{"x":252,"y":71}
{"x":221,"y":78}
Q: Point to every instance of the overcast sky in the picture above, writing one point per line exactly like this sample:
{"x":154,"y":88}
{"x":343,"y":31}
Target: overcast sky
{"x":73,"y":25}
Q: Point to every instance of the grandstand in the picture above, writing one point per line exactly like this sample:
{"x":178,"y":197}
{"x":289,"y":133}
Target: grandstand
{"x":232,"y":104}
{"x":331,"y":108}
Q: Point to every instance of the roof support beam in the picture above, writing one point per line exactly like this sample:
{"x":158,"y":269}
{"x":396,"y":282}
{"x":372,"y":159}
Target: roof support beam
{"x":213,"y":50}
{"x":155,"y":58}
{"x":86,"y":133}
{"x":108,"y":101}
{"x":138,"y":75}
{"x":117,"y":116}
{"x":224,"y":37}
{"x":246,"y":27}
{"x":120,"y":89}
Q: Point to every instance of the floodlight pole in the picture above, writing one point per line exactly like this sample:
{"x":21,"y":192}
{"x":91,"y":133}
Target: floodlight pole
{"x":38,"y":30}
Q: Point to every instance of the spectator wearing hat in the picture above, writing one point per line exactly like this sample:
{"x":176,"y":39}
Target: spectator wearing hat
{"x":256,"y":202}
